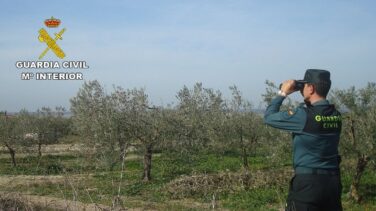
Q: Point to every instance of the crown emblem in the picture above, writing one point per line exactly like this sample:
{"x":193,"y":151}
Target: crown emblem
{"x":52,"y":22}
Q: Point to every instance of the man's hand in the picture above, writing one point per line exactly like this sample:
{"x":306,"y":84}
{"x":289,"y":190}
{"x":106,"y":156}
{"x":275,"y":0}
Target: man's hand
{"x":288,"y":87}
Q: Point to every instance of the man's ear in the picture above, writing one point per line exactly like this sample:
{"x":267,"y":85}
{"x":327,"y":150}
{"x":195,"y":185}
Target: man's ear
{"x":311,"y":88}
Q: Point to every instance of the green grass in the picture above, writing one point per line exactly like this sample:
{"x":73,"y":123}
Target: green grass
{"x":367,"y":191}
{"x":256,"y":199}
{"x":32,"y":165}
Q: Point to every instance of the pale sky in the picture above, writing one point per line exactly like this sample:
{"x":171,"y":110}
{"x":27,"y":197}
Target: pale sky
{"x":164,"y":45}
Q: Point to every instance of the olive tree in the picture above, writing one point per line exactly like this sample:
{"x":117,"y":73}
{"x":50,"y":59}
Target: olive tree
{"x":199,"y":110}
{"x":13,"y":132}
{"x":359,"y":129}
{"x":138,"y":123}
{"x":121,"y":103}
{"x":245,"y":127}
{"x":147,"y":126}
{"x":49,"y":125}
{"x":114,"y":121}
{"x":95,"y":119}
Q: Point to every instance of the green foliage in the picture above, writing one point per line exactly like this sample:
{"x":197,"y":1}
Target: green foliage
{"x":14,"y":128}
{"x":110,"y":123}
{"x":256,"y":199}
{"x":243,"y":128}
{"x":359,"y":130}
{"x":271,"y":91}
{"x":47,"y":165}
{"x":199,"y":117}
{"x":211,"y":163}
{"x":94,"y":119}
{"x":20,"y":132}
{"x":367,"y":188}
{"x":55,"y":168}
{"x":169,"y":166}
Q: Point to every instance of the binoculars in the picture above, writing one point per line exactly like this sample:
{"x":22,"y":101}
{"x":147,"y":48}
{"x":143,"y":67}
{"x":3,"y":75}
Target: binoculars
{"x":298,"y":85}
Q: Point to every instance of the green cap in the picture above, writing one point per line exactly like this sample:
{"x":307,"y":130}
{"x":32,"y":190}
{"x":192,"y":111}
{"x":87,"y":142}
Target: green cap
{"x":317,"y":76}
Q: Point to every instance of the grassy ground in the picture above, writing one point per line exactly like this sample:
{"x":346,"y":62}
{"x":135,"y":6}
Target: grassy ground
{"x":73,"y":178}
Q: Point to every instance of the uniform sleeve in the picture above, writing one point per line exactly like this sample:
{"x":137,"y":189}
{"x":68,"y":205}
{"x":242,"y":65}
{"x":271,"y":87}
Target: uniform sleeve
{"x":292,"y":121}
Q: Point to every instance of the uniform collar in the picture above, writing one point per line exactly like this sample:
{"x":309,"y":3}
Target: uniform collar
{"x":321,"y":102}
{"x":318,"y":103}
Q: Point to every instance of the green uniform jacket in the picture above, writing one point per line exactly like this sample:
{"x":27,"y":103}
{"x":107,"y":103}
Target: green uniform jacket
{"x":310,"y":150}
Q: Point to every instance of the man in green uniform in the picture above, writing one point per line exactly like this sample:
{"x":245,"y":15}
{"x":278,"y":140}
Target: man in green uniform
{"x":315,"y":126}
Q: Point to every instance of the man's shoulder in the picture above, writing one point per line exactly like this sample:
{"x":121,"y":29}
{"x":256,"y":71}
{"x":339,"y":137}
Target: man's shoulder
{"x":297,"y":112}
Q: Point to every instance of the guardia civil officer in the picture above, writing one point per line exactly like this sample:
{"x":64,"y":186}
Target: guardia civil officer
{"x":315,"y":126}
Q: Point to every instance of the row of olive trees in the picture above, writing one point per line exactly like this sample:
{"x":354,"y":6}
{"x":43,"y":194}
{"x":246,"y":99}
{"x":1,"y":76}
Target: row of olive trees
{"x":25,"y":130}
{"x":201,"y":120}
{"x":112,"y":122}
{"x":206,"y":120}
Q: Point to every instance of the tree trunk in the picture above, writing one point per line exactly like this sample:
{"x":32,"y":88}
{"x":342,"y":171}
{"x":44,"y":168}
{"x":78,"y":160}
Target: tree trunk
{"x":246,"y":176}
{"x":123,"y":149}
{"x":244,"y":150}
{"x":55,"y":135}
{"x":39,"y":149}
{"x":360,"y":167}
{"x":12,"y":153}
{"x":123,"y":145}
{"x":147,"y":163}
{"x":245,"y":158}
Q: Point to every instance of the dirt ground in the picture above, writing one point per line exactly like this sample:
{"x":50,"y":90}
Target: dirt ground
{"x":43,"y":201}
{"x":53,"y":203}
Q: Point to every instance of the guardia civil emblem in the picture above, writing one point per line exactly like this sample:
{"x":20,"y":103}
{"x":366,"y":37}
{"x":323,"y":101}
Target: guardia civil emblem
{"x":51,"y":43}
